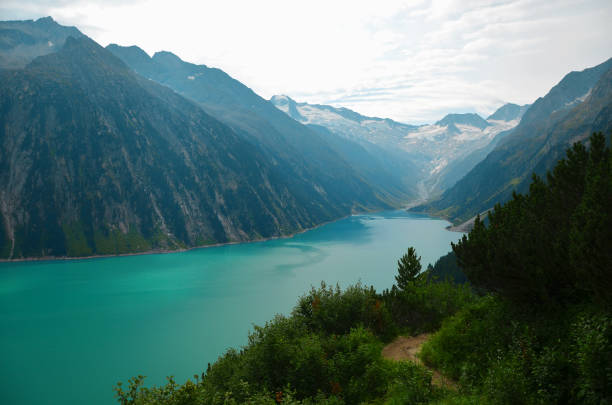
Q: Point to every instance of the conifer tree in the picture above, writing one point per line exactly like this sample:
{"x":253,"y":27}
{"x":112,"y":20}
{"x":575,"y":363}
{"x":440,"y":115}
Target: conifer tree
{"x":408,"y":268}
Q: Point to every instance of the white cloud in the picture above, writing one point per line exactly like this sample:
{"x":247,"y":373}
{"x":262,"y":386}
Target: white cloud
{"x":413,"y":61}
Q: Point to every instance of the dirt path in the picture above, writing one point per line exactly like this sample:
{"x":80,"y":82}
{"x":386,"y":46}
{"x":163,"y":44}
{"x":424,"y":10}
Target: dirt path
{"x":407,"y":348}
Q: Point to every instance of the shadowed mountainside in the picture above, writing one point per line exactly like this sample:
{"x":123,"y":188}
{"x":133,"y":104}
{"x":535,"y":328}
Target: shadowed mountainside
{"x":97,"y":160}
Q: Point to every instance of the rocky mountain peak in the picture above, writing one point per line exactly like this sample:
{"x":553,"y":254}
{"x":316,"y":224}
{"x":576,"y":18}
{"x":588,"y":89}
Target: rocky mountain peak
{"x":471,"y":119}
{"x":509,"y":112}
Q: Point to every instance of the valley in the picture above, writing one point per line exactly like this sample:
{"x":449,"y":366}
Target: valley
{"x":376,"y":224}
{"x":236,"y":167}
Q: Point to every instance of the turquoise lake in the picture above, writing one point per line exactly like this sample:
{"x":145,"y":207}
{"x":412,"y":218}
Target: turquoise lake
{"x":70,"y":330}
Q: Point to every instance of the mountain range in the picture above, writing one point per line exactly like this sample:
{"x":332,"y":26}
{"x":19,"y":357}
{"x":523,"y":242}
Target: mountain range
{"x":257,"y":120}
{"x":97,"y":159}
{"x":110,"y":150}
{"x":441,"y":153}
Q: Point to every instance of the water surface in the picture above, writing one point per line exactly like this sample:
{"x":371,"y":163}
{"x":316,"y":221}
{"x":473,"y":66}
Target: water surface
{"x":69,"y":330}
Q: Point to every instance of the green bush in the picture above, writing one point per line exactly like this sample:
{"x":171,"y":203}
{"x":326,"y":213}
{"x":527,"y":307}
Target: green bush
{"x":506,"y":381}
{"x":328,"y":351}
{"x":331,"y":311}
{"x":592,"y":343}
{"x":423,"y":305}
{"x":277,"y":352}
{"x":227,"y":374}
{"x":511,"y":358}
{"x":469,"y":341}
{"x":410,"y":384}
{"x":459,"y":398}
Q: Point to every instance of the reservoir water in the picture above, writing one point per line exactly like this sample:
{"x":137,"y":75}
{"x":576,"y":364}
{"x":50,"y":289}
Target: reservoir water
{"x":70,"y":330}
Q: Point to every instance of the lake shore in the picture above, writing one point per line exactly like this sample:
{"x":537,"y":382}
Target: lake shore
{"x":166,"y":251}
{"x":467,"y":226}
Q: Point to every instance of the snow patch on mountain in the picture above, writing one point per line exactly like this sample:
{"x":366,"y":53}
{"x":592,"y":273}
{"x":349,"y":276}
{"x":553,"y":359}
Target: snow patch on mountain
{"x":578,"y":100}
{"x":432,"y":146}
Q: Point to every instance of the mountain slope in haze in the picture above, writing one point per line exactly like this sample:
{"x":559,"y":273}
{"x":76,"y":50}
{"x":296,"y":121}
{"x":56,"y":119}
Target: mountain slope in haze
{"x":579,"y":105}
{"x":508,"y":115}
{"x":452,"y":143}
{"x":370,"y":144}
{"x":304,"y":150}
{"x":350,"y":124}
{"x":509,"y":112}
{"x":429,"y":148}
{"x":98,"y":160}
{"x":22,"y":41}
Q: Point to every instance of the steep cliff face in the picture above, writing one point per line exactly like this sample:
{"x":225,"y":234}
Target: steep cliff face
{"x":95,"y":159}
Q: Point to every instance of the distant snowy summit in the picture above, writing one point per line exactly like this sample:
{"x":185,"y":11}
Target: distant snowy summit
{"x":350,"y":124}
{"x":436,"y":146}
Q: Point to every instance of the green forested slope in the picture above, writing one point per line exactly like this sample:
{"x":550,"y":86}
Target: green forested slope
{"x":544,"y":331}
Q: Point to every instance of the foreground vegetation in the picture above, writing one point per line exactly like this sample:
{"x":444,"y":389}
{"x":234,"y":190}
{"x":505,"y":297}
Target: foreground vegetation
{"x":532,"y":326}
{"x":327,"y":351}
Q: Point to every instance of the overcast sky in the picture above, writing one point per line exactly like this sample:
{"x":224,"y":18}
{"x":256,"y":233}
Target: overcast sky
{"x":413,"y":61}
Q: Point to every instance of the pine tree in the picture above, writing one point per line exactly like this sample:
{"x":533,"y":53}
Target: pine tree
{"x":408,"y":268}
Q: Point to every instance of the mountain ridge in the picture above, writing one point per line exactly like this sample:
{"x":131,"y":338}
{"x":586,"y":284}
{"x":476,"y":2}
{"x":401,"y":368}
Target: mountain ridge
{"x":472,"y":119}
{"x":509,"y":112}
{"x":97,"y":160}
{"x":444,"y":151}
{"x":578,"y":105}
{"x":22,"y":41}
{"x":255,"y":118}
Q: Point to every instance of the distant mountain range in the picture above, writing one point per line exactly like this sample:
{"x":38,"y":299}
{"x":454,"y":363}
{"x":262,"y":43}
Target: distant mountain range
{"x":442,"y":152}
{"x":377,"y":140}
{"x":96,"y":159}
{"x":580,"y":104}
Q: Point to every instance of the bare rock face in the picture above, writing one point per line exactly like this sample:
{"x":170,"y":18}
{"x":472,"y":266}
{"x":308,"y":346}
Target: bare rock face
{"x":95,"y":159}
